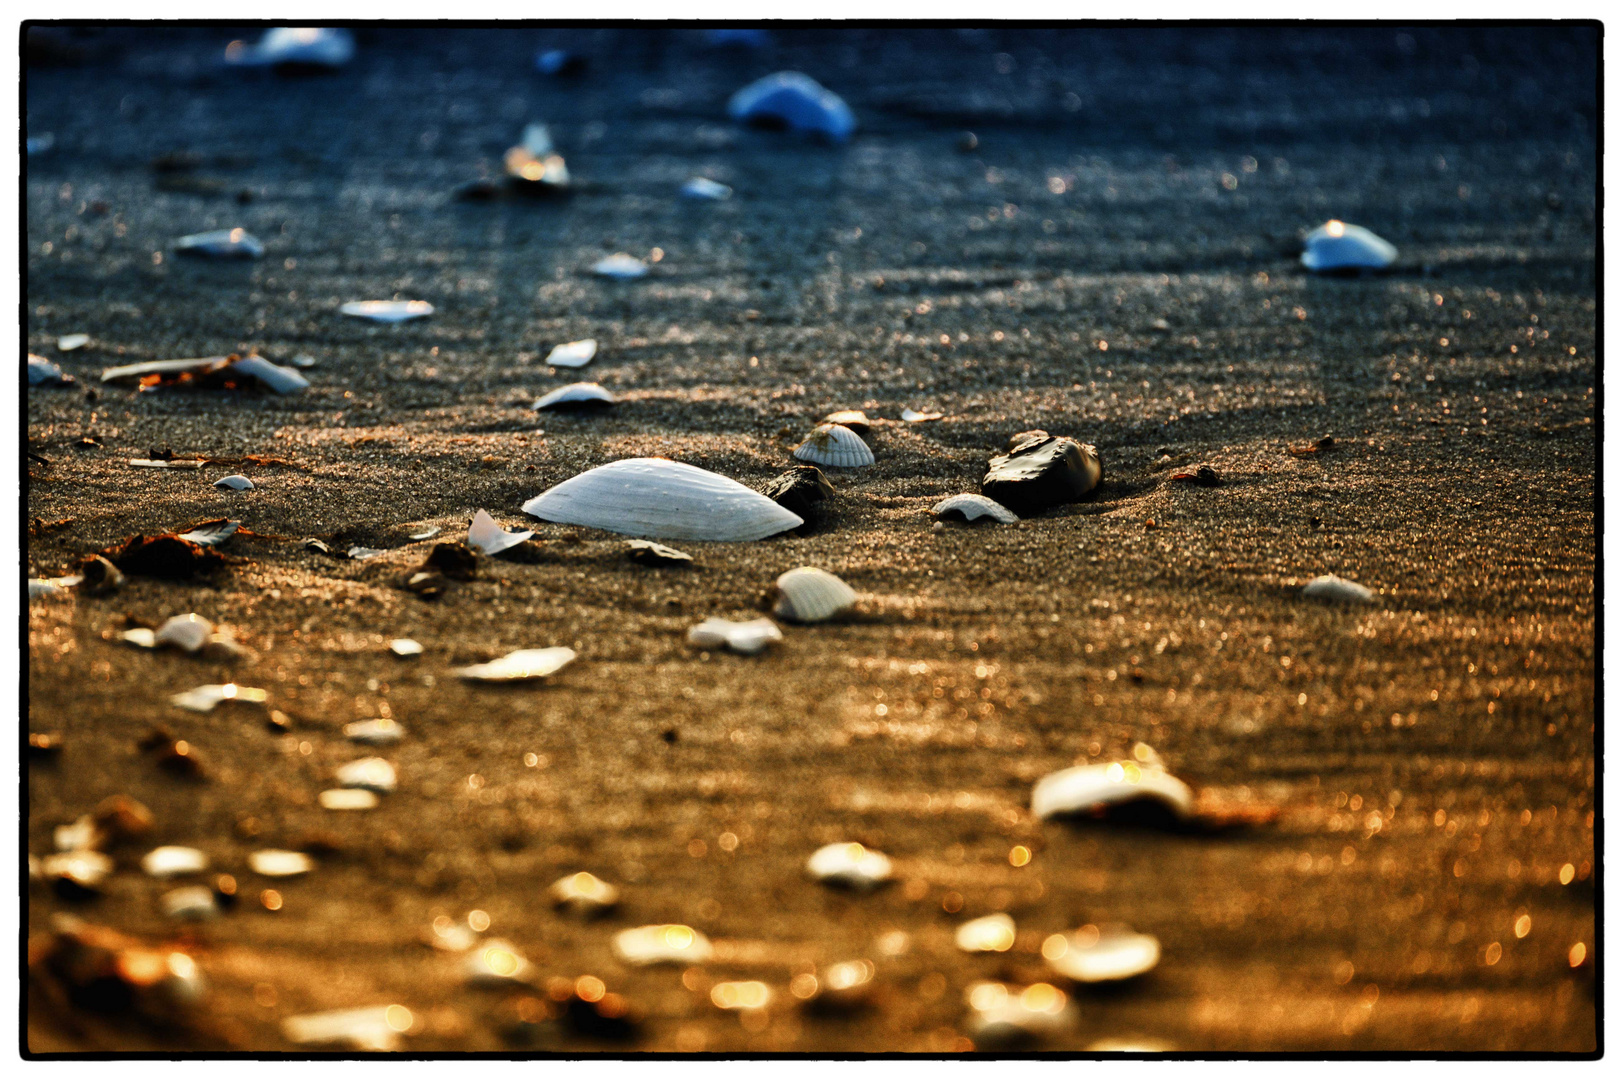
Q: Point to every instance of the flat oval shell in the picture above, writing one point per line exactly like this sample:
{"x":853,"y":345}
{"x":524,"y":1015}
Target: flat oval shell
{"x":662,"y":500}
{"x":797,"y":101}
{"x":620,"y":267}
{"x":849,"y":864}
{"x":204,"y":698}
{"x":1113,"y":956}
{"x":405,"y":646}
{"x":748,"y":638}
{"x":1330,"y":587}
{"x":275,"y":863}
{"x":581,"y":393}
{"x":371,"y":774}
{"x":171,"y":861}
{"x":388,"y":311}
{"x":1088,"y":788}
{"x":523,"y":664}
{"x":188,"y":632}
{"x":809,"y":595}
{"x":380,"y":732}
{"x":700,"y":187}
{"x":992,"y":933}
{"x":69,"y":342}
{"x":670,"y":943}
{"x":835,"y":445}
{"x":490,"y":537}
{"x":222,"y":244}
{"x":573,"y":353}
{"x":970,"y":507}
{"x":348,"y":799}
{"x":236,"y":482}
{"x":1336,"y":245}
{"x":912,"y":416}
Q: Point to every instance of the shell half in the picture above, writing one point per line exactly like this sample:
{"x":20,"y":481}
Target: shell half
{"x":809,"y":595}
{"x":701,"y":187}
{"x":620,"y":267}
{"x":748,"y":638}
{"x":664,"y":500}
{"x":837,"y":445}
{"x":388,"y":311}
{"x":661,"y":944}
{"x":1093,"y":789}
{"x":490,"y":537}
{"x":575,"y":395}
{"x":573,"y":353}
{"x":222,"y":244}
{"x":970,"y":507}
{"x":1330,"y":587}
{"x":794,"y":100}
{"x":1336,"y":245}
{"x":849,"y":864}
{"x":524,"y":664}
{"x":1102,"y":957}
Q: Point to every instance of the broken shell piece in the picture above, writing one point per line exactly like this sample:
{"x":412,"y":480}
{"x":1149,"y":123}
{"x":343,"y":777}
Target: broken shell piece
{"x":663,"y":500}
{"x":992,"y":933}
{"x":235,"y":482}
{"x":379,"y":732}
{"x":41,"y":372}
{"x":188,"y":632}
{"x":620,"y":267}
{"x":425,"y":534}
{"x":700,"y":187}
{"x":171,"y":861}
{"x":69,"y":342}
{"x":221,"y":244}
{"x":661,"y":944}
{"x":208,"y":372}
{"x":361,"y":552}
{"x":850,"y":864}
{"x":370,"y":774}
{"x":748,"y":638}
{"x":914,"y":417}
{"x":39,"y":589}
{"x":190,"y":902}
{"x":1108,"y":954}
{"x":1330,"y":587}
{"x":204,"y":698}
{"x":212,"y":533}
{"x":796,"y":101}
{"x":1336,"y":245}
{"x":970,"y":507}
{"x":490,"y":537}
{"x":275,"y":863}
{"x":833,"y":444}
{"x":741,"y":995}
{"x":388,"y":311}
{"x":83,"y":869}
{"x":405,"y":646}
{"x":497,"y":962}
{"x":295,"y":46}
{"x":523,"y":664}
{"x":573,"y":353}
{"x":649,"y":553}
{"x":100,"y":576}
{"x":1005,"y":1014}
{"x":177,"y":463}
{"x":1097,"y":789}
{"x":809,"y":595}
{"x":581,"y":395}
{"x":855,"y":419}
{"x":348,"y":799}
{"x":584,"y":894}
{"x":378,"y":1028}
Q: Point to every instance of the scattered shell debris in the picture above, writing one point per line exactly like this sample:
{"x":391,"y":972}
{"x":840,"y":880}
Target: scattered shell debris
{"x":835,"y":445}
{"x":990,"y":933}
{"x":573,"y":354}
{"x":749,"y":638}
{"x":1337,"y":590}
{"x":523,"y":664}
{"x":491,"y":538}
{"x":662,"y":500}
{"x":810,"y":595}
{"x":1101,"y":954}
{"x":670,"y":943}
{"x":849,"y":864}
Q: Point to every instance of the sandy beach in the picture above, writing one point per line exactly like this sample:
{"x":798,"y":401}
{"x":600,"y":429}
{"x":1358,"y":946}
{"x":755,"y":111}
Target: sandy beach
{"x":1114,"y":259}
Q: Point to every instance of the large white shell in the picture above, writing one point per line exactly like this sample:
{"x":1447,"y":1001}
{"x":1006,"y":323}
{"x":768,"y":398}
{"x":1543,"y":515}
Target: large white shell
{"x":620,"y":267}
{"x":388,"y":311}
{"x":235,"y":482}
{"x":796,"y":100}
{"x":490,"y":537}
{"x":662,"y":944}
{"x":369,"y":774}
{"x":222,"y":244}
{"x":272,"y":862}
{"x":524,"y":664}
{"x":701,"y":187}
{"x":574,"y":394}
{"x":810,"y":595}
{"x":1103,"y":956}
{"x":377,"y":1028}
{"x":203,"y":698}
{"x":314,"y":46}
{"x":1005,"y":1012}
{"x":849,"y":864}
{"x":1087,"y":788}
{"x":662,"y":500}
{"x":171,"y":861}
{"x":975,"y":506}
{"x":1336,"y":245}
{"x":1330,"y":587}
{"x":573,"y":353}
{"x":748,"y":638}
{"x":837,"y":445}
{"x":991,"y":933}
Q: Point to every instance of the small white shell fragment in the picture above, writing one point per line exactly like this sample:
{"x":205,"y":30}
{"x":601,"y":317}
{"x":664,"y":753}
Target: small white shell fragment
{"x":701,"y":187}
{"x":388,"y":311}
{"x":203,"y":698}
{"x":272,"y":862}
{"x":189,"y":902}
{"x":42,"y":372}
{"x":311,"y":46}
{"x":425,"y":534}
{"x":82,"y":867}
{"x":222,"y":244}
{"x":796,"y":100}
{"x":40,"y":589}
{"x":370,"y":774}
{"x":212,"y":534}
{"x":574,"y":394}
{"x":69,"y":342}
{"x":661,"y":944}
{"x":79,"y":836}
{"x":752,"y":994}
{"x":1092,"y":788}
{"x":178,"y":463}
{"x":523,"y":664}
{"x":274,"y":377}
{"x":836,"y":445}
{"x":380,"y":732}
{"x":849,"y":864}
{"x":914,"y":417}
{"x":1330,"y":587}
{"x":490,"y":538}
{"x":573,"y":353}
{"x":584,"y":893}
{"x":497,"y":962}
{"x":361,"y":552}
{"x":1336,"y":245}
{"x":1095,"y":955}
{"x":748,"y":638}
{"x":377,"y":1028}
{"x":236,"y":482}
{"x":1004,"y":1013}
{"x":188,"y":632}
{"x":172,"y":861}
{"x":140,"y":637}
{"x":303,"y":360}
{"x":971,"y":507}
{"x":405,"y":646}
{"x":992,"y":933}
{"x":809,"y":595}
{"x":662,"y":500}
{"x":348,"y":799}
{"x":620,"y":266}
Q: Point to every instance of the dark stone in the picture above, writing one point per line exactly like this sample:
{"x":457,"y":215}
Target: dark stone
{"x":166,"y":556}
{"x":1205,"y":476}
{"x":456,"y":561}
{"x":1024,"y":437}
{"x":1038,"y":473}
{"x":799,"y":490}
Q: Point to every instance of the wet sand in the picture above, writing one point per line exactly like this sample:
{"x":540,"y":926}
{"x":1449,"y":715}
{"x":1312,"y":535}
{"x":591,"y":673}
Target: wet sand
{"x":1115,"y":261}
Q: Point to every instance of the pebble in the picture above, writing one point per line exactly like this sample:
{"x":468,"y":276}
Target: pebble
{"x":1042,"y":472}
{"x":799,"y":490}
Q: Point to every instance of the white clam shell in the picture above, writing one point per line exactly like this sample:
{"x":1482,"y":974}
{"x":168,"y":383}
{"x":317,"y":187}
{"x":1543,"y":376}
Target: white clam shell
{"x":348,"y":799}
{"x":203,"y":698}
{"x":1088,"y":788}
{"x":573,"y":353}
{"x":69,"y":342}
{"x":1110,"y":956}
{"x":849,"y":864}
{"x":662,"y":500}
{"x":1336,"y":245}
{"x":620,"y":267}
{"x":975,"y":506}
{"x":913,"y":416}
{"x":809,"y":595}
{"x":490,"y":538}
{"x":1330,"y":587}
{"x":274,"y":377}
{"x":405,"y":646}
{"x":272,"y":862}
{"x":222,"y":244}
{"x":380,"y":732}
{"x":235,"y":482}
{"x":189,"y":632}
{"x":1005,"y":1012}
{"x":835,"y":445}
{"x":748,"y":638}
{"x":171,"y":861}
{"x":991,"y":933}
{"x":189,"y":902}
{"x":315,"y":46}
{"x":388,"y":311}
{"x":797,"y":100}
{"x":377,"y":1028}
{"x":700,"y":187}
{"x":574,"y":393}
{"x":670,"y":943}
{"x":523,"y":664}
{"x":370,"y":774}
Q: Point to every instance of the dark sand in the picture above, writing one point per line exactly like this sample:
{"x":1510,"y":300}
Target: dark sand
{"x":1432,"y":755}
